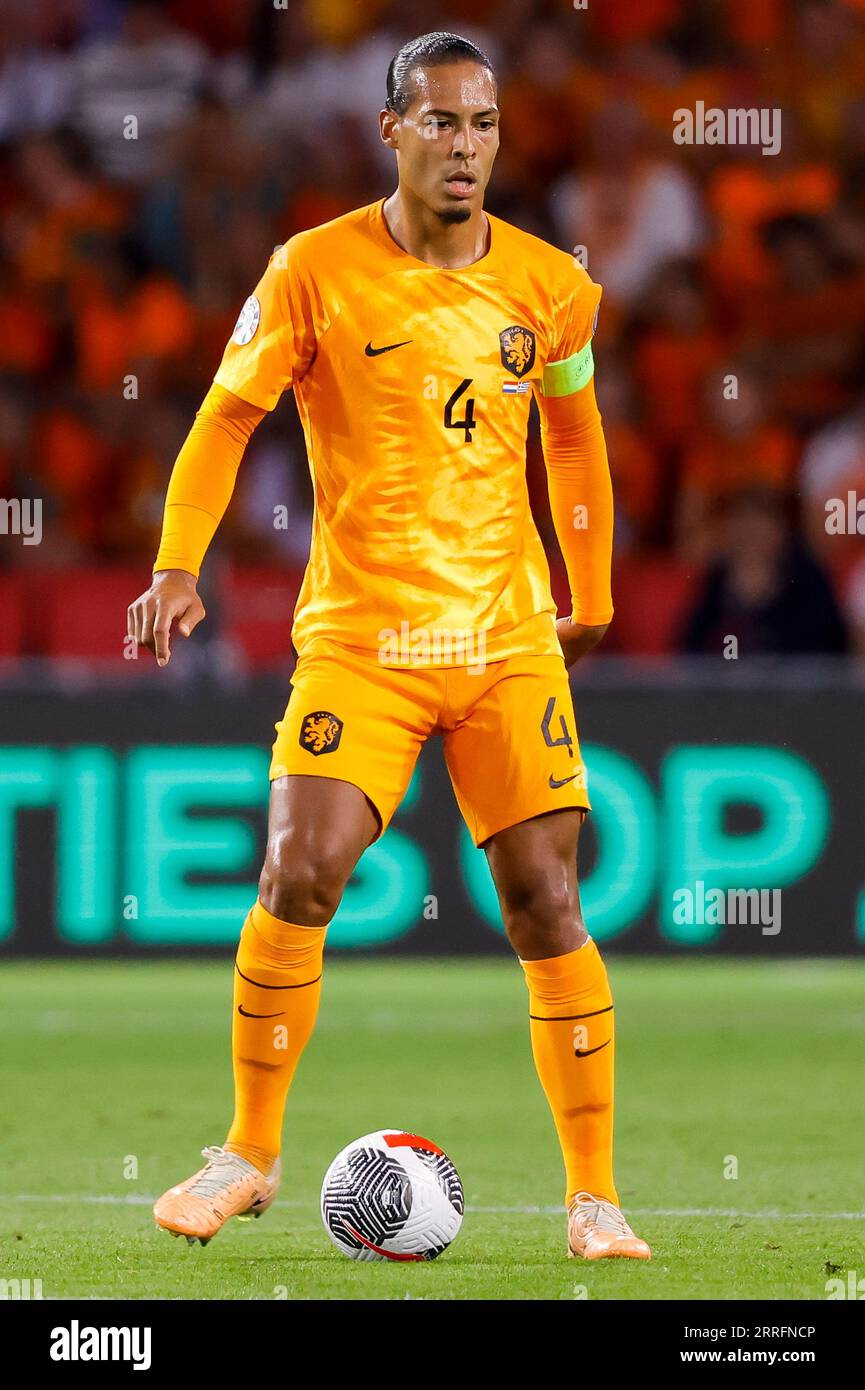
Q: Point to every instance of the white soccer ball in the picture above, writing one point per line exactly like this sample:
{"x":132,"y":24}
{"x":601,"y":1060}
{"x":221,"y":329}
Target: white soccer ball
{"x":392,"y":1195}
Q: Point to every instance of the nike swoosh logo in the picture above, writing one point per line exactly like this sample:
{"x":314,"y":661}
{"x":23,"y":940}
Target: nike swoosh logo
{"x":242,"y":1010}
{"x":590,"y":1050}
{"x":376,"y":352}
{"x":555,"y":782}
{"x":379,"y":1249}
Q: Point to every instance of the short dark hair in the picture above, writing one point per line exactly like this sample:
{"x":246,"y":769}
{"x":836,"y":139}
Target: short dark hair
{"x":427,"y":51}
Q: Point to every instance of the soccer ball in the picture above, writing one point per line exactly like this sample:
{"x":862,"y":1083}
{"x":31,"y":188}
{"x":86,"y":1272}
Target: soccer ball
{"x":392,"y":1195}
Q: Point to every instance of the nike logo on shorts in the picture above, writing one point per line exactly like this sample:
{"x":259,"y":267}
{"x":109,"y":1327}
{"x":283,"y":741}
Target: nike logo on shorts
{"x":561,"y":782}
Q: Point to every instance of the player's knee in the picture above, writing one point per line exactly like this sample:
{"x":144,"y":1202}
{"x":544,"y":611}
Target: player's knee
{"x":537,"y":901}
{"x":300,"y":883}
{"x":542,"y":920}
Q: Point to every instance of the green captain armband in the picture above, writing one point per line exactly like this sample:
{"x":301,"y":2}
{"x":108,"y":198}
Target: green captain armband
{"x":572,"y":374}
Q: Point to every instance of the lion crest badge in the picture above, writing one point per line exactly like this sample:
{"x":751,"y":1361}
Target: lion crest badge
{"x":320,"y":732}
{"x":517,"y":349}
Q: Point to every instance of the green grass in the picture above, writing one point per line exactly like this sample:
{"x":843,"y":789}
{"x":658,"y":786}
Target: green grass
{"x":105,"y":1064}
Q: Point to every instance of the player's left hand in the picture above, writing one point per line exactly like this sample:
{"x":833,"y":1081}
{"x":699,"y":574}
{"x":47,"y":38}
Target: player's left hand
{"x":577,"y":638}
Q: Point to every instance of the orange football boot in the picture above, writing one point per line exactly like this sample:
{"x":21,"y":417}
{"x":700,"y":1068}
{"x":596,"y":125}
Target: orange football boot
{"x":226,"y":1186}
{"x":597,"y":1230}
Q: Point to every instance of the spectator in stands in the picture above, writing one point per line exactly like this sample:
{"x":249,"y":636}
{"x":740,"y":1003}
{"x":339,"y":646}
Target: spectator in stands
{"x":807,"y":326}
{"x":671,"y":361}
{"x":633,"y":207}
{"x":833,"y":466}
{"x":737,"y":445}
{"x":150,"y":73}
{"x":854,"y":604}
{"x":124,"y":257}
{"x":633,"y":453}
{"x":34,"y":78}
{"x":765,"y":590}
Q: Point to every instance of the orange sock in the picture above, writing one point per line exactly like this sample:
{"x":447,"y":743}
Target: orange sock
{"x":277,"y":986}
{"x":573,"y":1044}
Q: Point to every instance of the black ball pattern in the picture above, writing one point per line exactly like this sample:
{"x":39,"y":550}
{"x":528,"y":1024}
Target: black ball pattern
{"x":447,"y":1177}
{"x":368,"y":1195}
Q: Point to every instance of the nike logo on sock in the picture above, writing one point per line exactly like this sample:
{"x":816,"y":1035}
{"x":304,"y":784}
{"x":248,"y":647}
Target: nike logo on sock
{"x":588,"y":1052}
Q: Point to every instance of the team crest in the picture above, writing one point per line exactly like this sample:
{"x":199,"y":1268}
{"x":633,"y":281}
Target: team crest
{"x":320,"y":732}
{"x":518,"y":349}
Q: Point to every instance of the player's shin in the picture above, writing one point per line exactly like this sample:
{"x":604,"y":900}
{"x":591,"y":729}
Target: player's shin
{"x":277,"y":987}
{"x":573,"y":1044}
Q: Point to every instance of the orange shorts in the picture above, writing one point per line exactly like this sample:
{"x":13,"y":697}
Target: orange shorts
{"x":510,"y":739}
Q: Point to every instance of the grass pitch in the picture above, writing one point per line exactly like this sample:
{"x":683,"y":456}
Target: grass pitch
{"x":116,"y":1074}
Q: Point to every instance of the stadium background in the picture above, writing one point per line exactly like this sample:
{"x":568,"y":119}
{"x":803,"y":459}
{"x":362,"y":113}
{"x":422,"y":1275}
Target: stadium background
{"x":133,"y":802}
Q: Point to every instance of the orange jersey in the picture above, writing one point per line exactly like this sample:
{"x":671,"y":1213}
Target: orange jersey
{"x":413,"y":385}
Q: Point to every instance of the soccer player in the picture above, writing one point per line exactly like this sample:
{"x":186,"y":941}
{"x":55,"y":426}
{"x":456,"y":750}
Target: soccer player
{"x":412,"y":331}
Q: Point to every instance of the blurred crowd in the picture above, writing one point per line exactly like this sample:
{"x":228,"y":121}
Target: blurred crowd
{"x":153,"y":154}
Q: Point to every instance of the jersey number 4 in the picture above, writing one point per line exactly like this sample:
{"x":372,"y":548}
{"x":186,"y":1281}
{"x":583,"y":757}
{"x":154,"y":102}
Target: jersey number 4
{"x":468,"y":422}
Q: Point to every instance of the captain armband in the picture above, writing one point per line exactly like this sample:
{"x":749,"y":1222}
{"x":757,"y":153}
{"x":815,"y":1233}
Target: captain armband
{"x":570,"y":375}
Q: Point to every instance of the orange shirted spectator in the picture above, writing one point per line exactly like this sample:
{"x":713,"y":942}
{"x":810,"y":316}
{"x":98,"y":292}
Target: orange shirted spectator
{"x":660,"y":94}
{"x":676,"y":355}
{"x":342,"y":21}
{"x":629,"y":21}
{"x":51,"y":244}
{"x":539,"y":103}
{"x":58,"y":210}
{"x":805,"y":328}
{"x":135,"y":496}
{"x":214,"y":324}
{"x":743,"y":198}
{"x":164,"y":324}
{"x":634,"y":463}
{"x":72,"y":462}
{"x":817,"y":69}
{"x":634,"y":469}
{"x":723,"y":461}
{"x":716,"y":260}
{"x":118,"y":320}
{"x":27,"y":334}
{"x":755,"y":26}
{"x":310,"y":206}
{"x":16,"y":426}
{"x":738,"y":447}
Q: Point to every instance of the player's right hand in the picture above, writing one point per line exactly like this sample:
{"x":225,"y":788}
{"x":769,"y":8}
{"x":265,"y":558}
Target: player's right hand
{"x":172,"y":597}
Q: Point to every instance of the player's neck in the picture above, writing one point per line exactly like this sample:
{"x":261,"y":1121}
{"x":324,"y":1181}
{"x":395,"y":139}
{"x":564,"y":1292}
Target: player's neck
{"x":421,"y":233}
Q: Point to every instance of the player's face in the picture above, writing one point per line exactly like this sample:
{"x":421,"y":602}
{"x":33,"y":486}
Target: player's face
{"x":447,"y":140}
